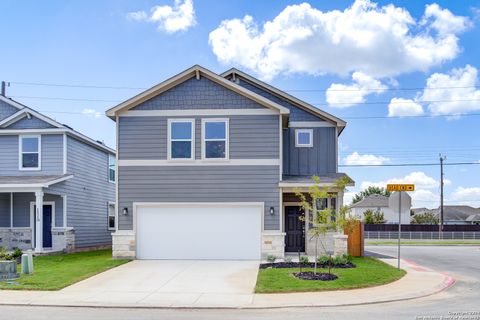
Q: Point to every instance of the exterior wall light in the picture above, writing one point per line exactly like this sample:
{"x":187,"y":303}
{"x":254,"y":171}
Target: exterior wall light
{"x":272,"y":211}
{"x":125,"y":211}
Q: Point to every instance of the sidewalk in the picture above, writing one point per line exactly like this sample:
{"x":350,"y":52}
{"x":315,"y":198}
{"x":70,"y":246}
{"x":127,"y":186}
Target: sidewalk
{"x":418,"y":282}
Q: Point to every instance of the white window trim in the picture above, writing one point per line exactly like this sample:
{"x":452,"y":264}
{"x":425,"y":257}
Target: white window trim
{"x":20,"y":152}
{"x":114,"y":215}
{"x":169,"y":138}
{"x":227,"y":138}
{"x":110,"y":156}
{"x":300,"y":145}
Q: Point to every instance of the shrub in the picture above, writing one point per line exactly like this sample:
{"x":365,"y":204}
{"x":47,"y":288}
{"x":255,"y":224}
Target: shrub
{"x":271,"y":258}
{"x":288,"y":259}
{"x":304,"y":260}
{"x":17,"y":253}
{"x":323,"y":259}
{"x":343,"y":259}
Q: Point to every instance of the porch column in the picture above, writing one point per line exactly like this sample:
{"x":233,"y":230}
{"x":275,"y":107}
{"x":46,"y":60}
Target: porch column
{"x":39,"y":221}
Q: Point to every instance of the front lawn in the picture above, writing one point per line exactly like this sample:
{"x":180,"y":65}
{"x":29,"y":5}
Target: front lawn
{"x":59,"y":271}
{"x":369,"y":272}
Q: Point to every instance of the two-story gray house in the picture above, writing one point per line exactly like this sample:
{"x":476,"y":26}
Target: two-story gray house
{"x":208,"y":164}
{"x":57,"y":186}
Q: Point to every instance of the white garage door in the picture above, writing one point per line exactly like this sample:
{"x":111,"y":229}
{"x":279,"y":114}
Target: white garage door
{"x":199,"y":231}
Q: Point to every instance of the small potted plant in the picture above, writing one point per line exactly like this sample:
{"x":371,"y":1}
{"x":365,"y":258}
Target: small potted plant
{"x":8,"y":264}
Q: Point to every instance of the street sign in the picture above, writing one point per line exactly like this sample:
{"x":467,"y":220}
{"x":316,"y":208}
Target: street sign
{"x":400,"y":187}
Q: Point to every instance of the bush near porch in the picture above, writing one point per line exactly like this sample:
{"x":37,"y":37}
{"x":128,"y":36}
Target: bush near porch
{"x":55,"y":272}
{"x":369,"y":272}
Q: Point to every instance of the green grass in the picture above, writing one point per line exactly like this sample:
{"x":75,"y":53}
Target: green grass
{"x":422,"y":243}
{"x":58,"y":271}
{"x":369,"y":272}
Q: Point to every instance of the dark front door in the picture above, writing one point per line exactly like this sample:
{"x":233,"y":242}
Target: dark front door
{"x":294,"y":229}
{"x":47,"y":225}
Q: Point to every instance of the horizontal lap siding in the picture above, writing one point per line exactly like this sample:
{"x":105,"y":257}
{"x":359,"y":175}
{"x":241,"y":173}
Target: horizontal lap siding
{"x":88,"y":194}
{"x":198,"y":94}
{"x":319,"y":159}
{"x":251,"y":137}
{"x":51,"y":153}
{"x":200,"y":184}
{"x":21,"y":208}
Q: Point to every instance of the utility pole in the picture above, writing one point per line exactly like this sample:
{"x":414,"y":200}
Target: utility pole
{"x":442,"y":158}
{"x":3,"y":88}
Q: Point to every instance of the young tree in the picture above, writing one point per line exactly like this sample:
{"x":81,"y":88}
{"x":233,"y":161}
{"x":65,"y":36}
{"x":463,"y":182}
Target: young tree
{"x":425,"y":218}
{"x":374,"y":217}
{"x":322,"y":220}
{"x":369,"y":191}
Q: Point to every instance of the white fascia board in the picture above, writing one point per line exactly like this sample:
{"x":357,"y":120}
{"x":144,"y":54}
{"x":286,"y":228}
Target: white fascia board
{"x":13,"y":118}
{"x":11,"y":102}
{"x":311,"y":124}
{"x":185,"y":75}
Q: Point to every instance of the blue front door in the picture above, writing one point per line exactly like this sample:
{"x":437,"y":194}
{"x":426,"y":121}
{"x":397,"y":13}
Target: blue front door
{"x":47,"y":226}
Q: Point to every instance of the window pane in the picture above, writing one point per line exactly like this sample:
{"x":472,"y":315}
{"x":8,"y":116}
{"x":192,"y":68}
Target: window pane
{"x":181,"y":130}
{"x":30,"y":144}
{"x":322,"y":204}
{"x":30,"y":160}
{"x":215,"y":149}
{"x":215,"y":130}
{"x":181,"y":149}
{"x":111,"y":210}
{"x":111,"y":174}
{"x":303,"y":137}
{"x":111,"y":222}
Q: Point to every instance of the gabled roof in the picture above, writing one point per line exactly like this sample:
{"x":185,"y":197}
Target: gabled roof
{"x":372,"y":201}
{"x":283,"y":95}
{"x":24,"y":111}
{"x":195,"y":71}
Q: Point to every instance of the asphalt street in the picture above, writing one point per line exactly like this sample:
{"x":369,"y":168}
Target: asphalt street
{"x":462,"y":301}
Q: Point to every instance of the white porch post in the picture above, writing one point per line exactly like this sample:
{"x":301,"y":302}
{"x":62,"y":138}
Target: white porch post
{"x":39,"y":221}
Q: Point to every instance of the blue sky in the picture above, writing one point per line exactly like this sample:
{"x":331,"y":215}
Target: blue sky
{"x":395,"y":47}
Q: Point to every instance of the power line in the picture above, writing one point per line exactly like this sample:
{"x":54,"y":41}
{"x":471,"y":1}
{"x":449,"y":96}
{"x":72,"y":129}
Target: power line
{"x":289,"y":90}
{"x":409,"y":164}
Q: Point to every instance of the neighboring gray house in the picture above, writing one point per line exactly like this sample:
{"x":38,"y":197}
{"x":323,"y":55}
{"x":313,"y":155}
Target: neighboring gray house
{"x":57,"y":186}
{"x":453,"y":214}
{"x":387,"y":205}
{"x":208,"y":165}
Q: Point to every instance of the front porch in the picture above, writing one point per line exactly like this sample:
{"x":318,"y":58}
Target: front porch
{"x":33,"y":217}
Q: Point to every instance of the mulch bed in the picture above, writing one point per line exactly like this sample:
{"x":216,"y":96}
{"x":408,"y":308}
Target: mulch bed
{"x":305,"y":265}
{"x":315,"y":276}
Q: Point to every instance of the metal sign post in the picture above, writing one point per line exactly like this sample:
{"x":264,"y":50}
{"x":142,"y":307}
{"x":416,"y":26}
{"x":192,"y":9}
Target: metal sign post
{"x":400,"y":188}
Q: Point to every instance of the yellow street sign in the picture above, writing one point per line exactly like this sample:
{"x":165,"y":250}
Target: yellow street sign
{"x":400,"y":187}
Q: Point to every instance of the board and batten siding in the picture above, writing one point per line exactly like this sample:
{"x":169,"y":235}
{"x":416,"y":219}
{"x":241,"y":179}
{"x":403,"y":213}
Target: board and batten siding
{"x":251,"y":137}
{"x":317,"y":160}
{"x":199,"y":184}
{"x":51,"y":155}
{"x":88,"y":193}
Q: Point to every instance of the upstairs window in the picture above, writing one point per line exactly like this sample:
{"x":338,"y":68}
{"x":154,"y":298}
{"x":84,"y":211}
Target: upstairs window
{"x":29,"y":147}
{"x":304,"y":138}
{"x":111,"y":168}
{"x":181,"y":139}
{"x":215,"y":139}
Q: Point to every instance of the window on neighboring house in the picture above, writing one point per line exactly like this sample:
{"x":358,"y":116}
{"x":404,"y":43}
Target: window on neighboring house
{"x":30,"y":154}
{"x":181,"y":139}
{"x":111,"y":216}
{"x":303,"y":138}
{"x":215,"y":139}
{"x":111,"y":168}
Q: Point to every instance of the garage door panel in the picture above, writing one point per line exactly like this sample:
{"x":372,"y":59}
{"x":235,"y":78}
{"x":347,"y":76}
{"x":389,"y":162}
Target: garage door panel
{"x":187,"y":232}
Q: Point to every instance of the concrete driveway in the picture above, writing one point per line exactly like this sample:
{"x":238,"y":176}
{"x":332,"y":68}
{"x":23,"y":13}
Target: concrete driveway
{"x":183,"y":282}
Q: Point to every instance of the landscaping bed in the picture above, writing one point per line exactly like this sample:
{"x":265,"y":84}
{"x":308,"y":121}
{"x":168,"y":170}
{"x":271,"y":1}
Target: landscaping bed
{"x":281,"y":265}
{"x":55,"y":272}
{"x":310,"y":275}
{"x":367,"y":272}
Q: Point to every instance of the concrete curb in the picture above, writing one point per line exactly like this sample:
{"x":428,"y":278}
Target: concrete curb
{"x":283,"y":303}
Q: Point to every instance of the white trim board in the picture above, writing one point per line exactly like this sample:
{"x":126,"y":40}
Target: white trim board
{"x":207,"y":162}
{"x":197,"y":112}
{"x":310,"y":124}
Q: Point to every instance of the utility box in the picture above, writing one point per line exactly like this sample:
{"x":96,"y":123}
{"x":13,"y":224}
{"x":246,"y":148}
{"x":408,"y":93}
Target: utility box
{"x":27,"y":263}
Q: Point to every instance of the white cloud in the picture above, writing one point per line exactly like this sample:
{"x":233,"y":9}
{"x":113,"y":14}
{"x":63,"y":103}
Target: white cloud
{"x":92,"y":113}
{"x":418,"y":178}
{"x":170,"y":19}
{"x":399,"y":107}
{"x":364,"y":159}
{"x":380,"y":41}
{"x":458,"y":84}
{"x":425,"y":198}
{"x":342,"y":95}
{"x":348,"y":197}
{"x":466,"y":196}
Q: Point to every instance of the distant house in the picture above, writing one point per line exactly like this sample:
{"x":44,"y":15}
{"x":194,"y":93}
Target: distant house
{"x":57,"y":186}
{"x":453,"y":214}
{"x":387,"y":205}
